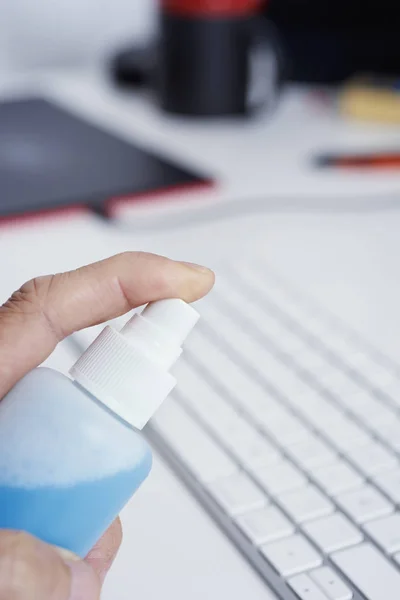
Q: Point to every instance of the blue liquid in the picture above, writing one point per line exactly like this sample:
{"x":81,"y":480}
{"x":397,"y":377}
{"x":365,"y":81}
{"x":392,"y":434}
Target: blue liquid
{"x":70,"y":517}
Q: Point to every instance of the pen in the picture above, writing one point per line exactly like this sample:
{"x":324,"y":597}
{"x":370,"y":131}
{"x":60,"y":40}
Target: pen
{"x":386,"y":160}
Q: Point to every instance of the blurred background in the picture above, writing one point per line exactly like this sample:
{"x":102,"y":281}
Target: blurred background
{"x":45,"y":33}
{"x":312,"y":42}
{"x":232,"y":58}
{"x":326,"y":41}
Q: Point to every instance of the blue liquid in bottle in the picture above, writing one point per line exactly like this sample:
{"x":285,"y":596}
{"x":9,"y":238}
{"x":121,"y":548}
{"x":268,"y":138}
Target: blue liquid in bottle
{"x":71,"y":455}
{"x":70,"y":494}
{"x":84,"y":509}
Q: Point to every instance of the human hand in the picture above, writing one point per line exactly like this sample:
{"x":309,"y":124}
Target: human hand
{"x":38,"y":316}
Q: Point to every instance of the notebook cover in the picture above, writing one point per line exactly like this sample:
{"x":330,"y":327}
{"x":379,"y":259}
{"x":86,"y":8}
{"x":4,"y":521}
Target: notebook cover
{"x":51,"y":160}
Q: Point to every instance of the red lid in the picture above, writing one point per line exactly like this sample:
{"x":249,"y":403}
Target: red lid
{"x":213,"y":8}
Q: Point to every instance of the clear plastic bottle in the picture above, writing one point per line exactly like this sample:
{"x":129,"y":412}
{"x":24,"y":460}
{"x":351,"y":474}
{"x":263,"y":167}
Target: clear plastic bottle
{"x":71,"y":454}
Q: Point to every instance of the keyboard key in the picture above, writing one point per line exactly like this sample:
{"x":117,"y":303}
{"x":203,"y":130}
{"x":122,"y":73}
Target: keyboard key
{"x":312,"y":453}
{"x":339,"y":342}
{"x":261,"y":316}
{"x":230,"y":427}
{"x":331,"y":584}
{"x":362,"y":399}
{"x":380,"y":376}
{"x":234,"y":432}
{"x":237,"y":494}
{"x":306,"y":589}
{"x":258,"y":276}
{"x":337,"y":477}
{"x":359,"y":361}
{"x":315,"y":325}
{"x":265,"y":525}
{"x":191,"y":443}
{"x":232,"y":336}
{"x":320,"y":412}
{"x":370,"y":571}
{"x":390,"y":433}
{"x":284,"y":427}
{"x":280,"y":478}
{"x":346,"y":434}
{"x":377,"y":414}
{"x":312,"y":361}
{"x":389,"y":482}
{"x":338,"y":383}
{"x":239,"y":385}
{"x":289,"y":343}
{"x":393,"y":391}
{"x":365,"y":504}
{"x":310,"y":402}
{"x":333,"y":533}
{"x":372,"y":458}
{"x":255,"y":453}
{"x":292,"y":555}
{"x":364,"y":406}
{"x":265,"y":418}
{"x":360,"y":403}
{"x":386,"y":532}
{"x":306,"y":504}
{"x":271,"y":326}
{"x":195,"y":391}
{"x":254,"y":407}
{"x":285,"y":380}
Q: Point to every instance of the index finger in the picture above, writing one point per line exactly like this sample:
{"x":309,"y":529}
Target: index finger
{"x":47,"y":309}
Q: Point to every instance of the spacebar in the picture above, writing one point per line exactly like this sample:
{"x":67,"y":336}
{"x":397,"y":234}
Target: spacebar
{"x":370,"y":572}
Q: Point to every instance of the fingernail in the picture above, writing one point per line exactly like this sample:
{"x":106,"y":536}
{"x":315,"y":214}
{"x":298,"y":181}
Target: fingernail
{"x":199,"y":268}
{"x":85,"y":585}
{"x":98,"y":563}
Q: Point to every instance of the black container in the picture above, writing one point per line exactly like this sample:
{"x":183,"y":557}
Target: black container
{"x":220,"y":66}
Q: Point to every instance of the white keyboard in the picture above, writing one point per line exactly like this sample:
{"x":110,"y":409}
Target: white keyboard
{"x":286,"y":427}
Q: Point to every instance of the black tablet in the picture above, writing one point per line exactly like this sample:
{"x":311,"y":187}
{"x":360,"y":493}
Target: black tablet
{"x":52,"y":159}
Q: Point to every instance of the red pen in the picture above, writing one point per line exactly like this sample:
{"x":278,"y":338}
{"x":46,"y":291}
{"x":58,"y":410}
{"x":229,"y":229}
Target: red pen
{"x":385,"y":160}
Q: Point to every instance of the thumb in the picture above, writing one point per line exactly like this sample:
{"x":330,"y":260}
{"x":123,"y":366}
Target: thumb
{"x":30,"y":569}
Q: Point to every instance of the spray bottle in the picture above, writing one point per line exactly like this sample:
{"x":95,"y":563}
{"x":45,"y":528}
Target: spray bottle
{"x":71,"y":451}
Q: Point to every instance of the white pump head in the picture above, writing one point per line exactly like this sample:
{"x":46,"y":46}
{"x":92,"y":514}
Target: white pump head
{"x":128,"y":370}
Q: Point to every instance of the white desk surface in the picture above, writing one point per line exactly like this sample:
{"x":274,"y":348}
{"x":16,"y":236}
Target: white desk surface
{"x":348,"y":261}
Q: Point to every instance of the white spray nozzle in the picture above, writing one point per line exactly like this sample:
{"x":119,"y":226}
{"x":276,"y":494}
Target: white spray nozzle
{"x":175,"y":317}
{"x":128,"y":370}
{"x":160,"y":330}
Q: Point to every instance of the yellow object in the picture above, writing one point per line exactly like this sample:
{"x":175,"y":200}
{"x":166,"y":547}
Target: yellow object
{"x":369,"y":102}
